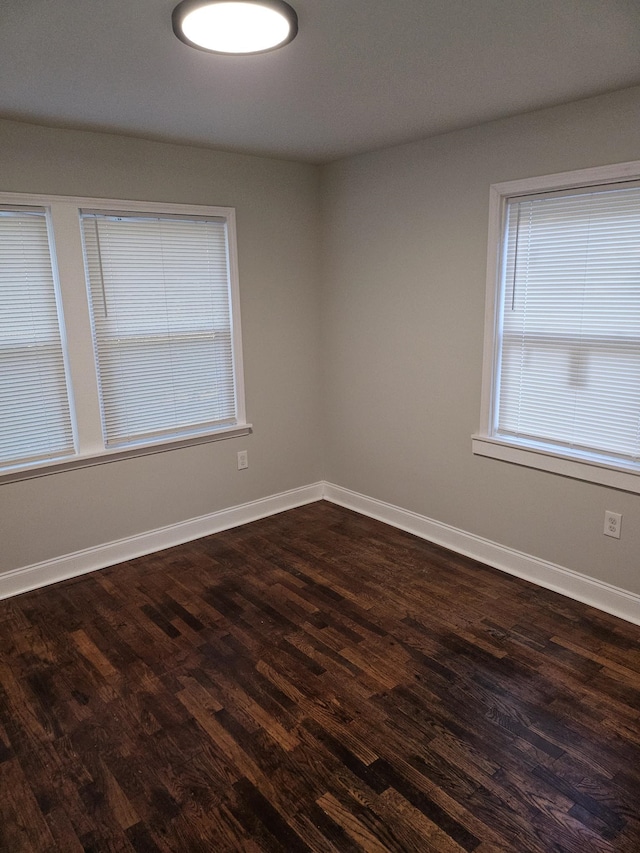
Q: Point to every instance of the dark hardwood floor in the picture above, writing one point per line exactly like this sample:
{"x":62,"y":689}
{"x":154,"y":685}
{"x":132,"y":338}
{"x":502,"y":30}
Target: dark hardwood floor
{"x":315,"y":681}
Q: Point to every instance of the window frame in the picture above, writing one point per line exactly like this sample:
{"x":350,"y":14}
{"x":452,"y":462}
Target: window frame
{"x":576,"y":464}
{"x":67,"y":258}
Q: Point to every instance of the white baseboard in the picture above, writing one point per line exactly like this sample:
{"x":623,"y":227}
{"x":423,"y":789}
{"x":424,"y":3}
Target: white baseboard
{"x":611,"y":599}
{"x":89,"y":560}
{"x":604,"y":596}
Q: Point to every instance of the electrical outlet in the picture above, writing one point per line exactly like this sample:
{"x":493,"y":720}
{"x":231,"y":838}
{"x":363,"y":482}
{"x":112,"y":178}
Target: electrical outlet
{"x":243,"y":459}
{"x":612,"y":524}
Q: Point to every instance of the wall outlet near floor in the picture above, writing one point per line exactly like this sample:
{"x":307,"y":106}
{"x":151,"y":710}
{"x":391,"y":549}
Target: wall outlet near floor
{"x":612,"y":524}
{"x":243,"y":459}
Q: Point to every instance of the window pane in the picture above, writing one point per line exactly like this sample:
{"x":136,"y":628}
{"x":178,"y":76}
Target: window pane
{"x":570,"y":325}
{"x":36,"y":420}
{"x":160,"y":295}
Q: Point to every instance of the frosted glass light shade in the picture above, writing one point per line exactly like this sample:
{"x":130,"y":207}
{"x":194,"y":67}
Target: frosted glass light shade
{"x":235,"y":26}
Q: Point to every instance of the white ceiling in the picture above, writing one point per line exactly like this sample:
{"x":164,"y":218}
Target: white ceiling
{"x":362,"y":74}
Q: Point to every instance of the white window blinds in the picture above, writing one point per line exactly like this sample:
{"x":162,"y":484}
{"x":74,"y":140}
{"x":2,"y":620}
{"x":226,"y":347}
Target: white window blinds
{"x":568,"y":373}
{"x":35,"y":420}
{"x":161,"y":306}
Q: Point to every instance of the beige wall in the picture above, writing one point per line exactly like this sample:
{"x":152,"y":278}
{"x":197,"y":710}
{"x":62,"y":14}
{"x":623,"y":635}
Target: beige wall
{"x":277,"y":221}
{"x":404,"y":259}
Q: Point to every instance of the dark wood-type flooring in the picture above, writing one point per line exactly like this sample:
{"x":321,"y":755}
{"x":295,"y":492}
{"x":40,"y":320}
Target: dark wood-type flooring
{"x":315,"y":681}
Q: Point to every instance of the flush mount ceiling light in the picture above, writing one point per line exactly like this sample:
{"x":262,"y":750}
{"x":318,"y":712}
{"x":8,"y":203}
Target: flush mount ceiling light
{"x":242,"y":26}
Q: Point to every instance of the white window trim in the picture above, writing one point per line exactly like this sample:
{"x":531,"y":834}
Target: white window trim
{"x":88,"y":460}
{"x":69,"y":273}
{"x":570,"y":463}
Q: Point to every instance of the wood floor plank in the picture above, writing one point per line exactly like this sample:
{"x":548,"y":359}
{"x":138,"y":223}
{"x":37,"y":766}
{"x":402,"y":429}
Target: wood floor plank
{"x":22,"y":824}
{"x":315,"y":681}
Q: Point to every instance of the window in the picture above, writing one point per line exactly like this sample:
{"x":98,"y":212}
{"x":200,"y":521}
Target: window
{"x":119,"y":331}
{"x":562,"y":371}
{"x":36,"y":416}
{"x":161,"y":323}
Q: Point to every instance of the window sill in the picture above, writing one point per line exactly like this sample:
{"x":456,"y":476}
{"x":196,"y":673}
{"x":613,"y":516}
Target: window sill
{"x":106,"y":456}
{"x":615,"y":475}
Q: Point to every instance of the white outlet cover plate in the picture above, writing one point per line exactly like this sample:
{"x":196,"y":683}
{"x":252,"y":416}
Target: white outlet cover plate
{"x":612,"y":524}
